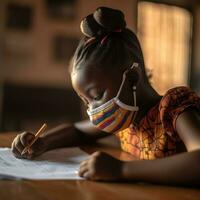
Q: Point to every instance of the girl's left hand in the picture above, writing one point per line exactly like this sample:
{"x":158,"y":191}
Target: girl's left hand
{"x":101,"y":167}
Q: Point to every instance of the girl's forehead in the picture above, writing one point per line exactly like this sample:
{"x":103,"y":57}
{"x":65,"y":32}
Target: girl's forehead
{"x":86,"y":76}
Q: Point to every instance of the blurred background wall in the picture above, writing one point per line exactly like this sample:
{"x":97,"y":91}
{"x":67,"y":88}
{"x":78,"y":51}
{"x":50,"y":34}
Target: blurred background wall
{"x":38,"y":38}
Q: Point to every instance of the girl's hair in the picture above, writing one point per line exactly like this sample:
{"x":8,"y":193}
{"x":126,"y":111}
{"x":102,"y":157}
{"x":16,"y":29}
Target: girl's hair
{"x":107,"y":42}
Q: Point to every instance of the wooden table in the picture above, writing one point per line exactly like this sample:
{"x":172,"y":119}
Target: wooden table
{"x":88,"y":190}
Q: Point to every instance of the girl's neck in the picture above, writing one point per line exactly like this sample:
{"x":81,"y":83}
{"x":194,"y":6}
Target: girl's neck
{"x":147,"y":98}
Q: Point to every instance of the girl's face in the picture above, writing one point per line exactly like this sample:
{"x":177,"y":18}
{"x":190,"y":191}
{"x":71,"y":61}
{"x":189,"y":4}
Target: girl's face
{"x":95,"y":86}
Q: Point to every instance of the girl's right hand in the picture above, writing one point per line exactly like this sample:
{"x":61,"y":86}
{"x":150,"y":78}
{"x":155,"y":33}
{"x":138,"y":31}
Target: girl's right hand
{"x":22,"y":140}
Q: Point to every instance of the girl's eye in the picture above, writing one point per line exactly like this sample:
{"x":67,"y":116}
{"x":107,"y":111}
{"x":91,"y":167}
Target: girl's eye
{"x":97,"y":98}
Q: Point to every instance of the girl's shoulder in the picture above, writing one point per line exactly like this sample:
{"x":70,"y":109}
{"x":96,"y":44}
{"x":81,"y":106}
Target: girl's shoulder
{"x":179,"y":97}
{"x":174,"y":102}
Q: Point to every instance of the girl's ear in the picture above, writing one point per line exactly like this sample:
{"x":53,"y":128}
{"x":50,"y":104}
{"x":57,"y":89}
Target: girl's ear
{"x":132,"y":76}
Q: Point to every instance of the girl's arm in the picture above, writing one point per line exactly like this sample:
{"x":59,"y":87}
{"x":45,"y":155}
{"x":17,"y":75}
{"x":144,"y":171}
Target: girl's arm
{"x":183,"y":168}
{"x":65,"y":135}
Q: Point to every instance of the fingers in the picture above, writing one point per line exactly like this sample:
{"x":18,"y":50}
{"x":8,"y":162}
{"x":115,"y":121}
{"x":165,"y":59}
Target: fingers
{"x":84,"y":163}
{"x":83,"y":168}
{"x":15,"y":152}
{"x":88,"y":175}
{"x":26,"y":138}
{"x":16,"y":147}
{"x":82,"y":171}
{"x":88,"y":167}
{"x":19,"y":143}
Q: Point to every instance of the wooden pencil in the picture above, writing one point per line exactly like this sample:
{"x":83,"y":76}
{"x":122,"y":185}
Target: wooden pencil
{"x":39,"y":132}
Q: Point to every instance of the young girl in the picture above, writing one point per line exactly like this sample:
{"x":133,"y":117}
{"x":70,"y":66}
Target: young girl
{"x":108,"y":73}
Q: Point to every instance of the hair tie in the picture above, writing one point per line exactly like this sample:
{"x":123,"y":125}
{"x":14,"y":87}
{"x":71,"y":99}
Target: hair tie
{"x":104,"y":39}
{"x":118,"y":30}
{"x":90,"y":40}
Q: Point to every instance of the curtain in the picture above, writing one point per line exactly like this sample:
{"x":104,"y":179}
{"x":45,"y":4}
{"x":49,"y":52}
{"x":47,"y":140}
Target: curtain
{"x":165,"y":35}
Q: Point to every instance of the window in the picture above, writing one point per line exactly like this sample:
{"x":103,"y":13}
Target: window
{"x":61,"y":9}
{"x":165,"y":34}
{"x":19,"y":17}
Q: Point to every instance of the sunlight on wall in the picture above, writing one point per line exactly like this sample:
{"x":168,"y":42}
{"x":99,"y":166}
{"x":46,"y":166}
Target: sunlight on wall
{"x":165,"y":35}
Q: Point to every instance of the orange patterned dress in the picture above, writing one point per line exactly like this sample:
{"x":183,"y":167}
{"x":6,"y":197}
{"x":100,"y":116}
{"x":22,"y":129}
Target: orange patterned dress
{"x":156,"y":136}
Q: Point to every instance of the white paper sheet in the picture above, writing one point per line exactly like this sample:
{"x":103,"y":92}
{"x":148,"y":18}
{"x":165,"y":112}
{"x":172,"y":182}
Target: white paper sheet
{"x":56,"y":164}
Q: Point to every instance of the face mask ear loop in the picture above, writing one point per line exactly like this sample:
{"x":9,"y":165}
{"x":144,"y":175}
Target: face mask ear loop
{"x":124,"y":77}
{"x":134,"y":87}
{"x":134,"y":95}
{"x":134,"y":65}
{"x":135,"y":104}
{"x":123,"y":80}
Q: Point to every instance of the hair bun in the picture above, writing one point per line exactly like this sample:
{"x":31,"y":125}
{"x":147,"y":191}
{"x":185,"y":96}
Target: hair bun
{"x":89,"y":27}
{"x":103,"y":21}
{"x":110,"y":19}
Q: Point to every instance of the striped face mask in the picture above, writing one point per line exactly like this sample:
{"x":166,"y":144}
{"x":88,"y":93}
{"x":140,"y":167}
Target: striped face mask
{"x":114,"y":115}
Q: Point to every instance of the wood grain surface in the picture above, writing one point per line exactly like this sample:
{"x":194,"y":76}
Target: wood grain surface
{"x":88,"y":190}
